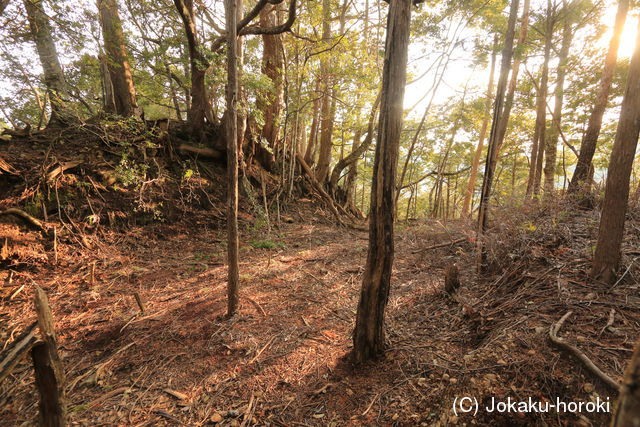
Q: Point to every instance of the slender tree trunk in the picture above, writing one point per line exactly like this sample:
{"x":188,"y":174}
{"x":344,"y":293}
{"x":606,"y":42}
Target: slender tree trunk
{"x":490,"y":165}
{"x":52,"y":70}
{"x":442,"y":166}
{"x":616,"y":196}
{"x":590,"y":138}
{"x":241,"y":109}
{"x":350,"y":188}
{"x":198,"y":67}
{"x":552,"y":141}
{"x":313,"y":131}
{"x":513,"y":83}
{"x":537,"y":148}
{"x":475,"y":164}
{"x":326,"y":120}
{"x":233,"y":278}
{"x":437,"y":80}
{"x":368,"y":335}
{"x":358,"y":150}
{"x":272,"y":67}
{"x":124,"y":92}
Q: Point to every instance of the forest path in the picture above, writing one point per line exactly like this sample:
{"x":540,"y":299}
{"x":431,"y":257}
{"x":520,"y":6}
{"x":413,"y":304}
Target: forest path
{"x":283,"y":359}
{"x":286,"y":348}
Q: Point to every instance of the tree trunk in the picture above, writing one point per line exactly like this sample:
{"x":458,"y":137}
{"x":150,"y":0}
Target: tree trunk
{"x":442,"y":166}
{"x":124,"y":92}
{"x":513,"y":83}
{"x":326,"y":120}
{"x":242,"y":103}
{"x":313,"y":132}
{"x":537,"y":148}
{"x":198,"y":65}
{"x":473,"y":175}
{"x":108,"y":97}
{"x":272,"y":67}
{"x":627,"y":412}
{"x":232,"y":159}
{"x":552,"y":141}
{"x":590,"y":138}
{"x":490,"y":165}
{"x":358,"y":150}
{"x":616,"y":196}
{"x":54,"y":80}
{"x":368,"y":336}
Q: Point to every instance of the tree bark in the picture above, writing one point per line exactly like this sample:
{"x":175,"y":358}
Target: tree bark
{"x":358,"y":150}
{"x":272,"y":67}
{"x":552,"y":141}
{"x":233,"y":278}
{"x":124,"y":92}
{"x":313,"y":132}
{"x":513,"y":83}
{"x":57,"y":89}
{"x":242,"y":103}
{"x":616,"y":196}
{"x":579,"y":180}
{"x":368,"y":336}
{"x":326,"y":119}
{"x":490,"y":165}
{"x":627,"y":412}
{"x":475,"y":164}
{"x":537,"y":148}
{"x":198,"y":65}
{"x":49,"y":371}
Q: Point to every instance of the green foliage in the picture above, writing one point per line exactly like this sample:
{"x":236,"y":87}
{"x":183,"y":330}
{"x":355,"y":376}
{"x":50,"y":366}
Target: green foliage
{"x":130,"y":173}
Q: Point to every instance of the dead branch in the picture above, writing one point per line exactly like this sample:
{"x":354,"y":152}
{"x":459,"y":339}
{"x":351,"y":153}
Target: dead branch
{"x":25,"y":216}
{"x":261,"y":350}
{"x":612,"y":317}
{"x":106,"y":396}
{"x":61,"y":168}
{"x":17,"y":350}
{"x":255,"y":304}
{"x":5,"y":167}
{"x":560,"y":342}
{"x":440,"y":245}
{"x":204,"y":152}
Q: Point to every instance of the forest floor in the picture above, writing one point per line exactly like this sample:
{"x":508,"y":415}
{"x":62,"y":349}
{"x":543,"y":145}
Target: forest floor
{"x":283,"y":359}
{"x":132,"y":221}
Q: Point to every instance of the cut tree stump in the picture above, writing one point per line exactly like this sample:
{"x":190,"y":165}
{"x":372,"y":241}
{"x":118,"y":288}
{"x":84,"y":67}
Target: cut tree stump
{"x":48,"y":367}
{"x":451,"y":279}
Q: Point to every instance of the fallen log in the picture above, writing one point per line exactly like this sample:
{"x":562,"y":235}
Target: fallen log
{"x":204,"y":152}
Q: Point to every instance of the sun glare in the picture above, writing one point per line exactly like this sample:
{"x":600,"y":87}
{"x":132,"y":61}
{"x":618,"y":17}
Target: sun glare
{"x":628,"y":39}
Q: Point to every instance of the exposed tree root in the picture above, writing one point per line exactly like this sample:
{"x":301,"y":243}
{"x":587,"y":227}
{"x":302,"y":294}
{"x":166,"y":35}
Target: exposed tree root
{"x":335,"y":208}
{"x":25,"y":216}
{"x":553,"y":335}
